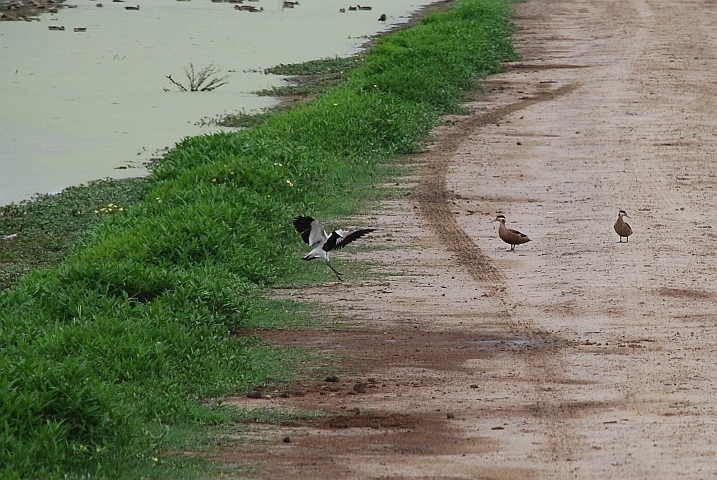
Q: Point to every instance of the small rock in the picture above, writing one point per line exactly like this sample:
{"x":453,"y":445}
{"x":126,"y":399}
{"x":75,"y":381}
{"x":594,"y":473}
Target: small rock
{"x":360,"y":388}
{"x":474,"y":386}
{"x":287,"y":439}
{"x":449,"y":415}
{"x":332,"y":378}
{"x":254,"y":394}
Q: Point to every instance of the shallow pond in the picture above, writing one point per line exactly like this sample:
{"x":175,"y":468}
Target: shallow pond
{"x":77,"y":106}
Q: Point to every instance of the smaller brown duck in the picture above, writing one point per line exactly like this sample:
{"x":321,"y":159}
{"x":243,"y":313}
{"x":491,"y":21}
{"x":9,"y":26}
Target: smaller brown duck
{"x":621,"y":227}
{"x":510,"y":236}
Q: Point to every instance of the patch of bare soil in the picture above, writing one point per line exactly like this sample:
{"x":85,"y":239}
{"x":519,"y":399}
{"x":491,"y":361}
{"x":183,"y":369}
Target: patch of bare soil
{"x":575,"y":356}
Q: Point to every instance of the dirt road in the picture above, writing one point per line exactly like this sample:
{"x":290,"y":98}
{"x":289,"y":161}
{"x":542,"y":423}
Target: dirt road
{"x":575,"y":356}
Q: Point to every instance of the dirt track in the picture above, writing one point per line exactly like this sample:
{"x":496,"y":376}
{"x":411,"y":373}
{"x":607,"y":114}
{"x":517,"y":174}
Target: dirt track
{"x":576,"y":356}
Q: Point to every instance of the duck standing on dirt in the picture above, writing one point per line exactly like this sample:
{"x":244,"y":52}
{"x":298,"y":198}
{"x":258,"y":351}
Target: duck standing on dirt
{"x":621,"y":227}
{"x":313,"y":233}
{"x":508,"y":235}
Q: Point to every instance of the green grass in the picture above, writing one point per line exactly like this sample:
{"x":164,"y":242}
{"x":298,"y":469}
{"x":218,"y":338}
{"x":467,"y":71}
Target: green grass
{"x":269,"y":314}
{"x":49,"y":225}
{"x":127,"y":338}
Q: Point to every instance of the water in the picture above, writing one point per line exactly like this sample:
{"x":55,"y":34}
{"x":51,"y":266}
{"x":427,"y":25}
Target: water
{"x":77,"y":106}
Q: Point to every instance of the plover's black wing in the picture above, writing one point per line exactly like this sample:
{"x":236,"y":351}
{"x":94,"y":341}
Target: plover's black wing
{"x":338,"y":239}
{"x":311,"y":230}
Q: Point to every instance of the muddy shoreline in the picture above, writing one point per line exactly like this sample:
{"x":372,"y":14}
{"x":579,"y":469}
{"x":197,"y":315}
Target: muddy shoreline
{"x":28,"y":10}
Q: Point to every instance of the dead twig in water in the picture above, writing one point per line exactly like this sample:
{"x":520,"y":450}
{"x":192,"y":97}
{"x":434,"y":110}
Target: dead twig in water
{"x":205,"y":80}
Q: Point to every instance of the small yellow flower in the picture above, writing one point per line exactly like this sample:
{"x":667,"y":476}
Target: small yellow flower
{"x":336,"y":104}
{"x":290,"y":183}
{"x":214,"y":180}
{"x":159,"y":199}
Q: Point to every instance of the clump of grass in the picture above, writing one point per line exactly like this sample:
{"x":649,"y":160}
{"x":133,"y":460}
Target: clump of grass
{"x":137,"y":327}
{"x":312,"y":78}
{"x":307,"y":80}
{"x":301,"y":89}
{"x":244,"y":119}
{"x":323,"y":66}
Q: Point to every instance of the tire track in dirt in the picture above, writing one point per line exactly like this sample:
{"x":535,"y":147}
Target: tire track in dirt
{"x":549,"y":406}
{"x":433,"y":195}
{"x":554,"y":406}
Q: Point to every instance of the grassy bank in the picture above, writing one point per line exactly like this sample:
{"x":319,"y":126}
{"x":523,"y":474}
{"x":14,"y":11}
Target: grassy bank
{"x":107,"y":356}
{"x":49,"y":225}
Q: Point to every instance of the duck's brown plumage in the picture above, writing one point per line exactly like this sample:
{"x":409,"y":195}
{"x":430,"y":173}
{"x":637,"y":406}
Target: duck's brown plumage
{"x":621,"y":227}
{"x":510,"y":236}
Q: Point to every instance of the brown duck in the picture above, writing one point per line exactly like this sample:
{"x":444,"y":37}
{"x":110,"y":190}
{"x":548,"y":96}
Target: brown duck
{"x":508,"y":235}
{"x":621,"y":227}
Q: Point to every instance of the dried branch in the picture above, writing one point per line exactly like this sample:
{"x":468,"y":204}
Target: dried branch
{"x":181,"y":87}
{"x":205,"y":80}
